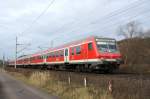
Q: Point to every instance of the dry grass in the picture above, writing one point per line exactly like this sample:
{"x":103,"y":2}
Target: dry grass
{"x":125,"y":86}
{"x":52,"y":85}
{"x":136,"y":68}
{"x":2,"y":70}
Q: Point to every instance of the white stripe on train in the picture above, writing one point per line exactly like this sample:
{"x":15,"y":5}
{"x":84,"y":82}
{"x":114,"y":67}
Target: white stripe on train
{"x":72,"y":61}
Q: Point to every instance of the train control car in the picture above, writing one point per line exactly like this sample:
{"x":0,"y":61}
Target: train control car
{"x":89,"y":54}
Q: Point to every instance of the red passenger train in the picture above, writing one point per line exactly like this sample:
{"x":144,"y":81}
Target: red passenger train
{"x":89,"y":54}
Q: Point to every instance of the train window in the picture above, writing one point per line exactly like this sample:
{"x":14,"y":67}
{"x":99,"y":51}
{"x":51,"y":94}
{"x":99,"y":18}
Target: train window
{"x":43,"y":56}
{"x":47,"y":56}
{"x":57,"y":54}
{"x":66,"y":52}
{"x":72,"y":51}
{"x":62,"y":53}
{"x":50,"y":55}
{"x":54,"y":54}
{"x":78,"y":50}
{"x":90,"y":47}
{"x":32,"y":58}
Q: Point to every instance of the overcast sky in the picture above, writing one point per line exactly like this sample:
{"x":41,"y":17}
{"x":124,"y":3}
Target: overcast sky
{"x":64,"y":21}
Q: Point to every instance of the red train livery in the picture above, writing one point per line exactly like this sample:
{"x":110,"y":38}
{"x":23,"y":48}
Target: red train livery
{"x":89,"y":54}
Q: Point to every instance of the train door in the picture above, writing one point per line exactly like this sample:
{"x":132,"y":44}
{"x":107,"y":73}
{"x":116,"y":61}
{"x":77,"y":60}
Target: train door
{"x":66,"y":56}
{"x":44,"y":58}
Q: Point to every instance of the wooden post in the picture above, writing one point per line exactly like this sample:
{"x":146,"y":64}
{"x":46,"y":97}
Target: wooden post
{"x":110,"y":86}
{"x":85,"y":82}
{"x":69,"y":80}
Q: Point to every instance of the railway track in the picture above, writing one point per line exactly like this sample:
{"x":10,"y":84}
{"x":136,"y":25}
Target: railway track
{"x":121,"y":75}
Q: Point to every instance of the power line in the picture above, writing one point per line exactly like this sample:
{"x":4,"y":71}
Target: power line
{"x":112,"y":24}
{"x":139,"y":1}
{"x":127,"y":8}
{"x":118,"y":11}
{"x":33,"y":22}
{"x":38,"y":17}
{"x":115,"y":13}
{"x":109,"y":26}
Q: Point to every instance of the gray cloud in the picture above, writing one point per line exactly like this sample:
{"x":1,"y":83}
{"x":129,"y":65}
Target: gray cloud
{"x":65,"y":20}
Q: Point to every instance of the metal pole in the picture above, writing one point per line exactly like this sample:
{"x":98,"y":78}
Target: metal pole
{"x":3,"y":60}
{"x":16,"y":53}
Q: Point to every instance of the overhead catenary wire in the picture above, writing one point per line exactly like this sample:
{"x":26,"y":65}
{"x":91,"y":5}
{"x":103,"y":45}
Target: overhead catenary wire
{"x":117,"y":12}
{"x":30,"y":26}
{"x":104,"y":28}
{"x":111,"y":15}
{"x":38,"y":17}
{"x":127,"y":7}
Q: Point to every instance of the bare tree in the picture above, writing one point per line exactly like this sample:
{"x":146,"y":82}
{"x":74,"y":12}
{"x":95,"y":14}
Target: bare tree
{"x":129,"y":31}
{"x":147,"y":34}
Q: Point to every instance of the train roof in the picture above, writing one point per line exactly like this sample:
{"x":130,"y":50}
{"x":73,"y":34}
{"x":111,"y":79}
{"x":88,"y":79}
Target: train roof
{"x":91,"y":38}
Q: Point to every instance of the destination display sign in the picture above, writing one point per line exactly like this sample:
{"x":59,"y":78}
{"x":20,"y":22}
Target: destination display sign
{"x":105,"y":40}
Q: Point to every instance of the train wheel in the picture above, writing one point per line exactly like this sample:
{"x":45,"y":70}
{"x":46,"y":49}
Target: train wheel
{"x":113,"y":69}
{"x":77,"y":69}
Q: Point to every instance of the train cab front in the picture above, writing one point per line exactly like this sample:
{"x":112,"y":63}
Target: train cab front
{"x":108,"y":53}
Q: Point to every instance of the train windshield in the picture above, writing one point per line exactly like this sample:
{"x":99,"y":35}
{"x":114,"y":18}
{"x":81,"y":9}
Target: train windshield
{"x":107,"y":45}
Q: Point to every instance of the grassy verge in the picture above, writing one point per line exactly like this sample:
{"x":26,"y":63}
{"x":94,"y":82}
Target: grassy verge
{"x":136,"y":68}
{"x":125,"y":86}
{"x":53,"y":86}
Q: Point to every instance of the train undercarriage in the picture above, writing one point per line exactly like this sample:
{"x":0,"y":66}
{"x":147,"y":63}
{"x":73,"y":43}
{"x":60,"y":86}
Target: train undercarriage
{"x":88,"y":67}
